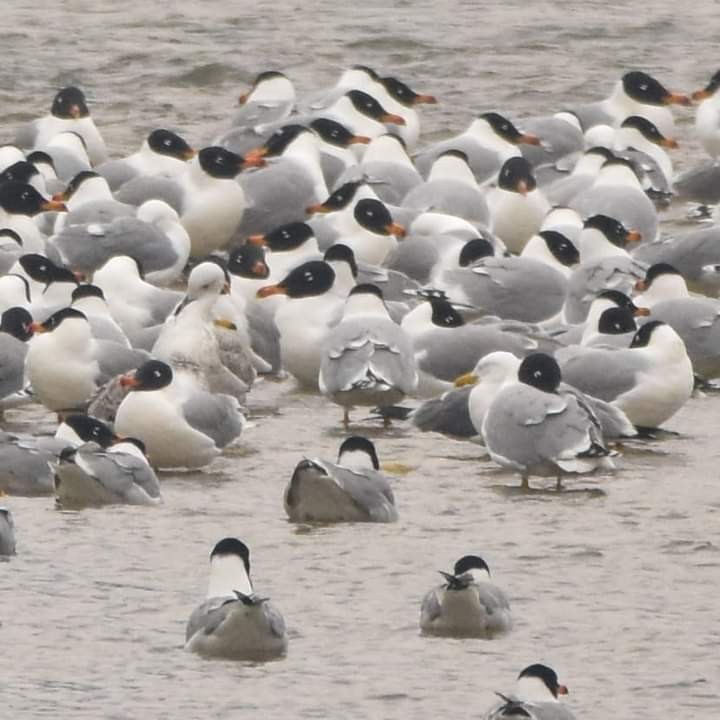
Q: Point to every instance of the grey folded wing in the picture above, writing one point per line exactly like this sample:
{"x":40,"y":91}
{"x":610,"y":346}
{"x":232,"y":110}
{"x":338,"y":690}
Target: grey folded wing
{"x":369,"y":490}
{"x":217,"y":416}
{"x":448,"y":414}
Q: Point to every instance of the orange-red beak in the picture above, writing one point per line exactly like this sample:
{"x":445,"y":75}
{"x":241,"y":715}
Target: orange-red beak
{"x":269,"y":290}
{"x":676,"y":99}
{"x":317,"y":208}
{"x":699,"y":95}
{"x":257,"y":240}
{"x":392,"y":118}
{"x":37,"y":327}
{"x":243,"y":98}
{"x":359,"y":140}
{"x":75,"y":112}
{"x":188,"y":154}
{"x":129,"y":381}
{"x":633,"y":236}
{"x":642,"y":311}
{"x":253,"y":158}
{"x":669,"y":143}
{"x":522,"y":187}
{"x":54,"y":205}
{"x":562,"y":690}
{"x":528,"y":139}
{"x":396,"y":229}
{"x":640,"y":286}
{"x":425,"y":100}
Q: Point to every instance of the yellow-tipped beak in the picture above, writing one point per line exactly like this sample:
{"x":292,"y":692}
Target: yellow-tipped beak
{"x":466,"y":379}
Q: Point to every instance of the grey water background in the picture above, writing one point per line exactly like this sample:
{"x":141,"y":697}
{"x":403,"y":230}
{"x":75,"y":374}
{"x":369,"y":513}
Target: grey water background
{"x":615,"y":583}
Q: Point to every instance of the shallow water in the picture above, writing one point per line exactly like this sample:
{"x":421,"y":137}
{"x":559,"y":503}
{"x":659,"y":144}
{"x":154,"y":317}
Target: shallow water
{"x":614,"y":583}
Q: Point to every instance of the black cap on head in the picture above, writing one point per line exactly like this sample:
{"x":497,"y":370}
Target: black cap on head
{"x":357,"y":443}
{"x":90,"y":429}
{"x":342,"y":253}
{"x":309,"y":279}
{"x":11,"y":235}
{"x":83,"y":176}
{"x":37,"y":157}
{"x":541,"y":371}
{"x":277,"y":143}
{"x":70,"y":103}
{"x":373,"y":216}
{"x":612,"y":229}
{"x":332,"y":132}
{"x":220,"y":163}
{"x":367,"y":289}
{"x":248,"y":261}
{"x":643,"y":88}
{"x":21,"y":171}
{"x":516,"y":175}
{"x":616,"y":321}
{"x":57,"y":318}
{"x":619,"y":298}
{"x":87,"y":290}
{"x":166,"y":142}
{"x":267,"y":75}
{"x":367,"y":70}
{"x":232,"y":546}
{"x":18,"y":198}
{"x":502,"y":127}
{"x":444,"y":314}
{"x":342,"y":197}
{"x":459,"y":154}
{"x":152,"y":375}
{"x":399,"y":91}
{"x":714,"y":83}
{"x":43,"y":270}
{"x":366,"y":104}
{"x":473,"y":250}
{"x":289,"y":236}
{"x":470,"y":562}
{"x":17,"y":321}
{"x":561,"y":247}
{"x":644,"y":334}
{"x":658,"y":269}
{"x":603,"y":152}
{"x":547,"y":675}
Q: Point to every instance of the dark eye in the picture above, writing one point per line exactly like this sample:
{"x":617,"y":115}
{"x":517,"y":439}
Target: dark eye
{"x":644,"y":87}
{"x":308,"y":276}
{"x":156,"y":373}
{"x":167,"y":143}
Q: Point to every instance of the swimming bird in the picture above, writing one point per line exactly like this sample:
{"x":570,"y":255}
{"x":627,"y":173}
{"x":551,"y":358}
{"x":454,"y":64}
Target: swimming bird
{"x":92,"y":476}
{"x":535,"y":697}
{"x":532,"y":429}
{"x":7,"y":532}
{"x":180,"y":424}
{"x":233,"y":622}
{"x":351,"y":490}
{"x":366,"y":358}
{"x":467,"y":604}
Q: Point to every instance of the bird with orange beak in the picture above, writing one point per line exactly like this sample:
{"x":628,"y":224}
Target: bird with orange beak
{"x":707,"y":118}
{"x":69,"y":112}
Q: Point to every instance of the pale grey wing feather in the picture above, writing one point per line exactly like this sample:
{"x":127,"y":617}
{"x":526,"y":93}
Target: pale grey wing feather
{"x":24,"y":468}
{"x":453,"y":197}
{"x":369,"y":490}
{"x":264,"y":334}
{"x":589,"y":280}
{"x":448,"y":414}
{"x":610,"y":421}
{"x":259,"y":113}
{"x":448,"y":353}
{"x":208,"y":616}
{"x":118,"y":472}
{"x":217,"y":416}
{"x":528,"y":427}
{"x":275,"y":619}
{"x":393,"y":283}
{"x":356,"y":347}
{"x":146,"y":187}
{"x":116,"y":172}
{"x":700,"y":183}
{"x":430,"y":608}
{"x":12,"y":364}
{"x":391,"y":181}
{"x":604,"y":374}
{"x":277,"y":194}
{"x":483,"y":162}
{"x":114,"y":359}
{"x":87,"y":247}
{"x":27,"y":134}
{"x":559,"y":138}
{"x":492,"y":597}
{"x":99,"y":211}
